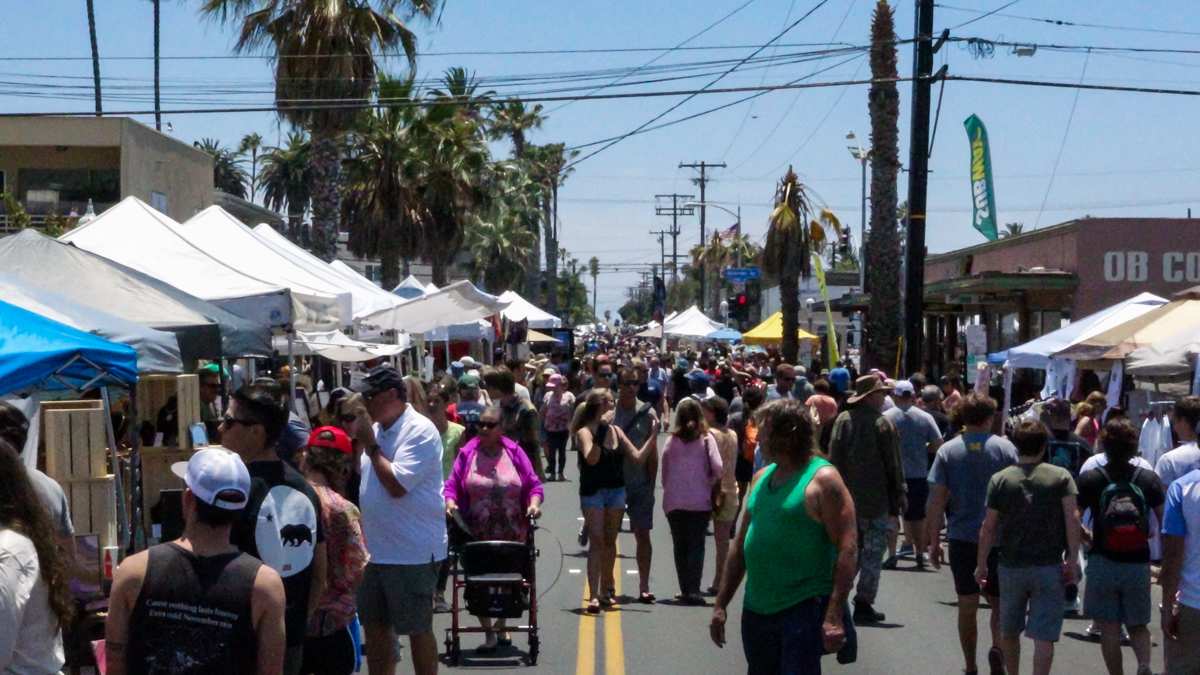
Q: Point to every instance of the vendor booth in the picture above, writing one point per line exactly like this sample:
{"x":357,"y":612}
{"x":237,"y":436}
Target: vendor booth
{"x":770,"y":332}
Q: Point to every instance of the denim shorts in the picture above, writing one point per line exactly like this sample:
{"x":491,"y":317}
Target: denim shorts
{"x":1037,"y":590}
{"x":604,"y":498}
{"x":1117,"y":592}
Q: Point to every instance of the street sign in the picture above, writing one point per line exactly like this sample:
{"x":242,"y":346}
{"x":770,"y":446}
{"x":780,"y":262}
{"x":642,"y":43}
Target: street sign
{"x":742,"y":274}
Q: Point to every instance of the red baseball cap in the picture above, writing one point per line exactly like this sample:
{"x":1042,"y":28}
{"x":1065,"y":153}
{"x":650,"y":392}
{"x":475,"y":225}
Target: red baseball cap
{"x":330,"y":437}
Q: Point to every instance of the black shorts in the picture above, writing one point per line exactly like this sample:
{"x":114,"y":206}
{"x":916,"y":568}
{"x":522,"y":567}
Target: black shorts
{"x":918,"y":494}
{"x":743,"y":471}
{"x":964,"y":555}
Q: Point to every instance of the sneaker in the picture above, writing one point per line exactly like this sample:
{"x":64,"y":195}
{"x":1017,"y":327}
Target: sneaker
{"x":1092,"y":632}
{"x":561,"y":477}
{"x":905,"y":549}
{"x":865,"y":613}
{"x":1071,"y":608}
{"x":583,"y":535}
{"x":440,"y":606}
{"x":890,"y":563}
{"x":996,"y":661}
{"x":1144,"y":669}
{"x":921,"y":561}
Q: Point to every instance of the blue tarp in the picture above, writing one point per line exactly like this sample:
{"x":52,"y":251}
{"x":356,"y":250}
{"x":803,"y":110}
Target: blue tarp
{"x":36,"y":352}
{"x":725,"y":335}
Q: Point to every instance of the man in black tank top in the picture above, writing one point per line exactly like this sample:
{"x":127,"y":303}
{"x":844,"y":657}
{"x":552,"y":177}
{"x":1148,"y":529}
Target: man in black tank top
{"x":197,"y":605}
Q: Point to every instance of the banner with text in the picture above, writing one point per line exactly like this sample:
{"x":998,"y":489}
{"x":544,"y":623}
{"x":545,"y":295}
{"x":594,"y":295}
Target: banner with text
{"x":983,"y":196}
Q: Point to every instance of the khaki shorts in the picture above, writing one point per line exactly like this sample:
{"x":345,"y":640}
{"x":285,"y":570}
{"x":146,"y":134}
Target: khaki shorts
{"x":400,"y":596}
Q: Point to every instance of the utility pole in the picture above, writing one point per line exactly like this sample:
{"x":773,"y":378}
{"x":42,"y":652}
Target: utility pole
{"x":676,"y":209}
{"x":918,"y":167}
{"x":702,"y":181}
{"x":662,"y":247}
{"x":157,"y":104}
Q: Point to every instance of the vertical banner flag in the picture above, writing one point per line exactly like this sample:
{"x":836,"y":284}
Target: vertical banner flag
{"x":983,"y":196}
{"x":832,"y":332}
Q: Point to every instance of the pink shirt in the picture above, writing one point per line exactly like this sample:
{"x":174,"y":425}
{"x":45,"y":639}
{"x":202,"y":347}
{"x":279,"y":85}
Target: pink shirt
{"x":689,"y":471}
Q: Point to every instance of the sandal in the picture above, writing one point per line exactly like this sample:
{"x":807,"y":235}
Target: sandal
{"x":646,"y":598}
{"x":593,"y":606}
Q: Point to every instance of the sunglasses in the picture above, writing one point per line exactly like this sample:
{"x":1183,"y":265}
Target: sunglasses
{"x":230,"y":422}
{"x":347,"y":419}
{"x":629,"y":383}
{"x":488,"y":425}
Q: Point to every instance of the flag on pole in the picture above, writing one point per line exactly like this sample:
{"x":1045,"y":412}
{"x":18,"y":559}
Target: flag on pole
{"x":983,"y":196}
{"x":819,"y":271}
{"x":728,"y":233}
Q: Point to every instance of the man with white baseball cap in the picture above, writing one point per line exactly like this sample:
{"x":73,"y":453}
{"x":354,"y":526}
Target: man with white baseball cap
{"x":225,"y":607}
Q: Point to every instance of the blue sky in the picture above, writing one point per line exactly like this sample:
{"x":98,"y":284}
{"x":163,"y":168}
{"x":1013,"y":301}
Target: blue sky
{"x":1125,"y":154}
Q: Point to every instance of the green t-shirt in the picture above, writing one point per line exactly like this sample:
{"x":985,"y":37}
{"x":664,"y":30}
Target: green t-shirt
{"x":1029,"y":499}
{"x":451,"y":439}
{"x":789,"y":557}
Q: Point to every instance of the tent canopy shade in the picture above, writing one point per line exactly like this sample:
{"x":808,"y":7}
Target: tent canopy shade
{"x":157,"y":351}
{"x":458,"y":303}
{"x":520,"y":309}
{"x":337,"y":346}
{"x":535,"y":336}
{"x":410,"y":288}
{"x":226,"y":239}
{"x":203,"y":329}
{"x":134,"y":234}
{"x":38,"y":353}
{"x":367,"y":297}
{"x":691,"y":323}
{"x":770,"y":332}
{"x":1037,"y":352}
{"x":1153,"y":327}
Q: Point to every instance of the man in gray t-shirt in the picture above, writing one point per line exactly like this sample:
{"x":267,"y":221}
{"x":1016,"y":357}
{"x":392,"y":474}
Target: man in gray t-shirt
{"x":51,"y":494}
{"x":636,"y":418}
{"x":919,"y":436}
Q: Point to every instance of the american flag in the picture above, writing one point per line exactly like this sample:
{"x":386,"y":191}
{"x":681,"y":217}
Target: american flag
{"x":729,"y":233}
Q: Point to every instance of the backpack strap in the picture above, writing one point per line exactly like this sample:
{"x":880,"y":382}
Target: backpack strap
{"x":1104,"y":473}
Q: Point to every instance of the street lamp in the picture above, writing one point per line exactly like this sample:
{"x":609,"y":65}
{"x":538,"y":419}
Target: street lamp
{"x":863,"y":155}
{"x":737,"y":223}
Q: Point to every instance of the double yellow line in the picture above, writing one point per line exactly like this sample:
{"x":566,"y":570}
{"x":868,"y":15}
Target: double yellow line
{"x":614,"y":641}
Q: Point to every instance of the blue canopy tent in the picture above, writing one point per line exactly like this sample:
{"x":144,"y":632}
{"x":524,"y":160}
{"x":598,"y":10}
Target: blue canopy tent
{"x":725,"y":334}
{"x":37,"y":353}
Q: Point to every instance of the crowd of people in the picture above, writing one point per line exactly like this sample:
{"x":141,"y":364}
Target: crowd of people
{"x":305,"y":532}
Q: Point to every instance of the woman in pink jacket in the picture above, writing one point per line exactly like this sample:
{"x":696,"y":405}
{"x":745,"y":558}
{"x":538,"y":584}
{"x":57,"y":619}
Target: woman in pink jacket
{"x":691,"y":468}
{"x":495,"y":490}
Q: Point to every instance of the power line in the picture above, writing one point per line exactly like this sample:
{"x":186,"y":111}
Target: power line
{"x":1063,"y":144}
{"x":1065,"y":23}
{"x":706,"y":87}
{"x":750,"y":108}
{"x":984,"y":15}
{"x":666,"y":52}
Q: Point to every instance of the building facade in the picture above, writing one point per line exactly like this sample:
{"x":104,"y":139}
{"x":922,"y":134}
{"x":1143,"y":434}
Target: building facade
{"x":54,"y":165}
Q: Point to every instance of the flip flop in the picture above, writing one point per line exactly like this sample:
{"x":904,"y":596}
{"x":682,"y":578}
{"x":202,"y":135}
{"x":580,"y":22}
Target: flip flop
{"x":647,"y":598}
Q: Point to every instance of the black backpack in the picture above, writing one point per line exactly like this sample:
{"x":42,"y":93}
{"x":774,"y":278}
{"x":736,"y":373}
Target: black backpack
{"x":1123,"y":524}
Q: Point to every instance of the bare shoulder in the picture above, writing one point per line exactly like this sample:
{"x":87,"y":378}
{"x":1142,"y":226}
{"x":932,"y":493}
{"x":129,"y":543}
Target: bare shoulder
{"x":268,"y":585}
{"x":133,"y":568}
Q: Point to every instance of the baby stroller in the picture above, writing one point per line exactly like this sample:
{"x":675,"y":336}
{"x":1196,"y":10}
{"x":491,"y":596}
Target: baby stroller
{"x":497,"y":580}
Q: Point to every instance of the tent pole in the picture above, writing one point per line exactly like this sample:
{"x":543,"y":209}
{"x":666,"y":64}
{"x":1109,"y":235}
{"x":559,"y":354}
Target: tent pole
{"x":123,"y":538}
{"x":137,"y":498}
{"x":291,"y":355}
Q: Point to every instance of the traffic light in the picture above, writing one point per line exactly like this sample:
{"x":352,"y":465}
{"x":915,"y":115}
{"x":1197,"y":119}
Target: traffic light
{"x":739,"y":307}
{"x":844,"y":242}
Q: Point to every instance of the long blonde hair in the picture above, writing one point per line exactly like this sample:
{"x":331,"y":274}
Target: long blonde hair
{"x":689,"y":420}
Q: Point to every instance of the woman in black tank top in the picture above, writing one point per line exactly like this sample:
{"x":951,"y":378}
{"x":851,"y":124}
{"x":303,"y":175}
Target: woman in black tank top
{"x":602,"y":449}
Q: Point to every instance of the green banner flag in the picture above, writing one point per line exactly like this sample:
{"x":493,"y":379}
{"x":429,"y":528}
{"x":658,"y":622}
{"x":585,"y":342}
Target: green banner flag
{"x":819,"y":271}
{"x":983,"y":196}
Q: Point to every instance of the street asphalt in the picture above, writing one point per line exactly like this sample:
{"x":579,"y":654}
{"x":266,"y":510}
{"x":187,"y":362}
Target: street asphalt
{"x":919,"y":635}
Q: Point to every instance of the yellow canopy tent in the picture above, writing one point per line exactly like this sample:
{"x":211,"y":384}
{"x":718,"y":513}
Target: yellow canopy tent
{"x":770,"y":332}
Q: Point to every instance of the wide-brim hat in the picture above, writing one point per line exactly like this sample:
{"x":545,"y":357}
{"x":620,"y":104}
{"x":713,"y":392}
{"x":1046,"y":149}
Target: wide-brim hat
{"x":865,"y":386}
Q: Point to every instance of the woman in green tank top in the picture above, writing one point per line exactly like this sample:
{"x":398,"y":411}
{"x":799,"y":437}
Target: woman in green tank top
{"x":797,"y":549}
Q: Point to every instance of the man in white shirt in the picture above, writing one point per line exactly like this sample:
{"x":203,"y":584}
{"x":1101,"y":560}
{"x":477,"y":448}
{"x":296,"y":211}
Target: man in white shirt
{"x":1181,"y":575}
{"x":403,"y":520}
{"x":1186,"y":457}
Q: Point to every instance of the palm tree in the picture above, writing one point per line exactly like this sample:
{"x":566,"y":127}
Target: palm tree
{"x":594,"y":269}
{"x":460,"y":88}
{"x":228,"y":174}
{"x":786,"y":255}
{"x":500,"y":251}
{"x":883,"y":244}
{"x":512,"y":119}
{"x":285,"y":180}
{"x":324,"y":50}
{"x":382,"y":207}
{"x":553,"y":168}
{"x":1012,"y":230}
{"x":251,"y":143}
{"x":712,"y":257}
{"x":91,"y":18}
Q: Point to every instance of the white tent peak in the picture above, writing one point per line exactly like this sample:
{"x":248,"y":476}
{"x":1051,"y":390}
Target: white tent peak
{"x":520,"y":309}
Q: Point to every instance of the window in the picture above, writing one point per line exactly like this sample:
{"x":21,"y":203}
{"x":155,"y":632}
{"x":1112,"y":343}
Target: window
{"x":61,"y":190}
{"x":159,"y":201}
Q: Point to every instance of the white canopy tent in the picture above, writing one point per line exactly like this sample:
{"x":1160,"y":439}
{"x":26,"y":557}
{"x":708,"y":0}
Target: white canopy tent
{"x":157,"y":351}
{"x":1037,"y":353}
{"x":691,"y":323}
{"x":134,"y":234}
{"x":1170,"y":359}
{"x":458,"y":303}
{"x":367,"y":297}
{"x":411,"y":288}
{"x":223,"y":237}
{"x":337,"y":346}
{"x":520,"y":309}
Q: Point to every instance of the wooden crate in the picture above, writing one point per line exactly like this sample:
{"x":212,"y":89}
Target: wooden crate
{"x":157,"y":475}
{"x":94,"y":507}
{"x":153,"y":391}
{"x":76,"y":444}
